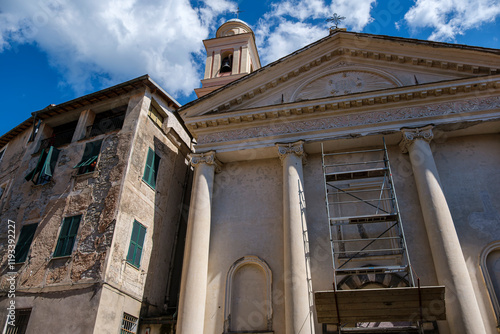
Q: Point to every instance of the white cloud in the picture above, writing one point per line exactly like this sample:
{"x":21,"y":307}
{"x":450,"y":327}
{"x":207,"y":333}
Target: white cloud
{"x":451,"y":17}
{"x":115,"y":40}
{"x":292,"y":24}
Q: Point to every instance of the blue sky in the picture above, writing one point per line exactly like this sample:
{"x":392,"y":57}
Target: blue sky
{"x":52,"y":51}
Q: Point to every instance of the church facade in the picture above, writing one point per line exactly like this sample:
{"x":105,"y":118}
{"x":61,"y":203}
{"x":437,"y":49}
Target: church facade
{"x":288,"y":231}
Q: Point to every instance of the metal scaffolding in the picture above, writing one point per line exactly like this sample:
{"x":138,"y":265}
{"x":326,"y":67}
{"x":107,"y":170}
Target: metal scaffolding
{"x":363,"y":215}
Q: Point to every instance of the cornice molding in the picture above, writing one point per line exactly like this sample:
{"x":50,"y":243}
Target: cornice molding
{"x":351,"y":54}
{"x":207,"y":158}
{"x":347,"y":120}
{"x":410,"y":135}
{"x":429,"y":92}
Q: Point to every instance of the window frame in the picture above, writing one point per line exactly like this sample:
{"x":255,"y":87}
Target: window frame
{"x":62,"y":249}
{"x":129,"y":319}
{"x":155,"y":115}
{"x":90,"y":157}
{"x":26,"y":246}
{"x":135,"y":245}
{"x":151,"y":168}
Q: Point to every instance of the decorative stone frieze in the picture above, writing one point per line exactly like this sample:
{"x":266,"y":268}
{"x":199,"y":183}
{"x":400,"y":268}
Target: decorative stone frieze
{"x":354,"y":119}
{"x":206,"y":158}
{"x":409,"y":136}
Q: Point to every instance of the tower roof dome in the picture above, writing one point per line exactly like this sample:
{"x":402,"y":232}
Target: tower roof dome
{"x":233,"y":27}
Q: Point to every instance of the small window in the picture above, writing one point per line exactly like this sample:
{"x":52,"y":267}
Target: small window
{"x":129,"y":324}
{"x":34,"y":131}
{"x":136,"y":243}
{"x":89,"y":158}
{"x":155,"y":115}
{"x":151,"y":169}
{"x":44,"y":167}
{"x":67,"y":236}
{"x":19,"y":325}
{"x":1,"y":154}
{"x":24,"y":242}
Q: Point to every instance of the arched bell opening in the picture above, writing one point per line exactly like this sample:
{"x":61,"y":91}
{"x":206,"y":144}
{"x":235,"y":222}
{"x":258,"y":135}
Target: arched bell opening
{"x":226,"y":65}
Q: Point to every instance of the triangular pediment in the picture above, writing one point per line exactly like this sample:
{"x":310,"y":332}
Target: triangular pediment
{"x":347,"y":63}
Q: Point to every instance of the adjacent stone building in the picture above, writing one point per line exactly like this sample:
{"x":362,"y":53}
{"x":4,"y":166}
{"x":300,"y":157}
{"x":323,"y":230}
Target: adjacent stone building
{"x":301,"y":160}
{"x":94,"y":189}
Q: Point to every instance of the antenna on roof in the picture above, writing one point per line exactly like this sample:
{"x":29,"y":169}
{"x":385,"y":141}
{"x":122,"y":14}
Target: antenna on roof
{"x":335,"y":19}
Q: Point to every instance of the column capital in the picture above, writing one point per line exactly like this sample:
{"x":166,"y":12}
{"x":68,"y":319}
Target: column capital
{"x":410,"y":135}
{"x":296,"y":148}
{"x":208,"y":158}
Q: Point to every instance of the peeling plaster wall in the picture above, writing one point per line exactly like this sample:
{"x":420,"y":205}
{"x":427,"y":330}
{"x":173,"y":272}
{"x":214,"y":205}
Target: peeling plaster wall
{"x":109,"y":199}
{"x":157,"y":209}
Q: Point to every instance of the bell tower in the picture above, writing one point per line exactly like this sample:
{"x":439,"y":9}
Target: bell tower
{"x":231,"y":55}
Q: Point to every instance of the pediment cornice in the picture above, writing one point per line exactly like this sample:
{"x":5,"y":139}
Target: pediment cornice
{"x":390,"y":98}
{"x":240,"y":94}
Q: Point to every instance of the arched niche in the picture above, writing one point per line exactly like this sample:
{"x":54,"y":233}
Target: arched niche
{"x":490,"y":265}
{"x":344,"y":81}
{"x":374,"y":281}
{"x":248,"y":306}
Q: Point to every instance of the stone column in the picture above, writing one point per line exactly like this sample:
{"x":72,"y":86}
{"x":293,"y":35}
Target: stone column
{"x":463,"y":313}
{"x":193,"y":291}
{"x":297,"y":299}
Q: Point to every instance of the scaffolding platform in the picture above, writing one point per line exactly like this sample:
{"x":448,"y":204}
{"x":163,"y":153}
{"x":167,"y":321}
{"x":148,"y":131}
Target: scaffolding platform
{"x":408,"y":304}
{"x":369,"y":247}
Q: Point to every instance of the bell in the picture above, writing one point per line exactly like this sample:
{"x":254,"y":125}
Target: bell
{"x":226,"y":65}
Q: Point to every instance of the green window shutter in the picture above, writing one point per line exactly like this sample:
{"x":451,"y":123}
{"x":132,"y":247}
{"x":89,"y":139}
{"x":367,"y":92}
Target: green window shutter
{"x":151,"y":169}
{"x":41,"y":160}
{"x":44,"y":167}
{"x":136,"y":243}
{"x":67,"y":236}
{"x":24,"y":242}
{"x":90,"y":154}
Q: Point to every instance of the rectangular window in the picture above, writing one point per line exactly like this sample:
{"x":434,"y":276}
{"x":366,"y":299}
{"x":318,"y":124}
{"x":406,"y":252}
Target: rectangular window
{"x":1,"y":154}
{"x":89,"y":158}
{"x":136,"y":243}
{"x":151,"y":169}
{"x":44,"y":167}
{"x":34,"y":131}
{"x":67,"y":236}
{"x":21,"y":322}
{"x":24,"y":242}
{"x":155,"y":115}
{"x":129,"y":324}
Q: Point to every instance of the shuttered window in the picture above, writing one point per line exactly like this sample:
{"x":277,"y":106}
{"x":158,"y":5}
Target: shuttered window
{"x":136,"y":243}
{"x":151,"y":169}
{"x":67,"y":236}
{"x":24,"y":242}
{"x":44,"y":167}
{"x":89,"y":158}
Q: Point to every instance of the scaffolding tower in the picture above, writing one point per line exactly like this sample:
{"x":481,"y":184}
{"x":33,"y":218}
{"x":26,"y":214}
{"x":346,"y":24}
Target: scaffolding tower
{"x":367,"y":240}
{"x":363,"y":215}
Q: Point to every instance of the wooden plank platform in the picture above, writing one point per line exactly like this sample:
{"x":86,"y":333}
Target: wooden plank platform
{"x":355,"y":174}
{"x":377,"y":305}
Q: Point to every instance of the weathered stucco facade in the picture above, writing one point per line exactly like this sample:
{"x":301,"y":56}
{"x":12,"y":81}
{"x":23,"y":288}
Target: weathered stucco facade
{"x":435,"y":105}
{"x":91,"y":288}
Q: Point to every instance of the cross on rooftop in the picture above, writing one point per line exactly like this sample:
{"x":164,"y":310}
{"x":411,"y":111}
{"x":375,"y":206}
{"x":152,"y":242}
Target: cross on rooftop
{"x":237,"y":12}
{"x":335,"y":19}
